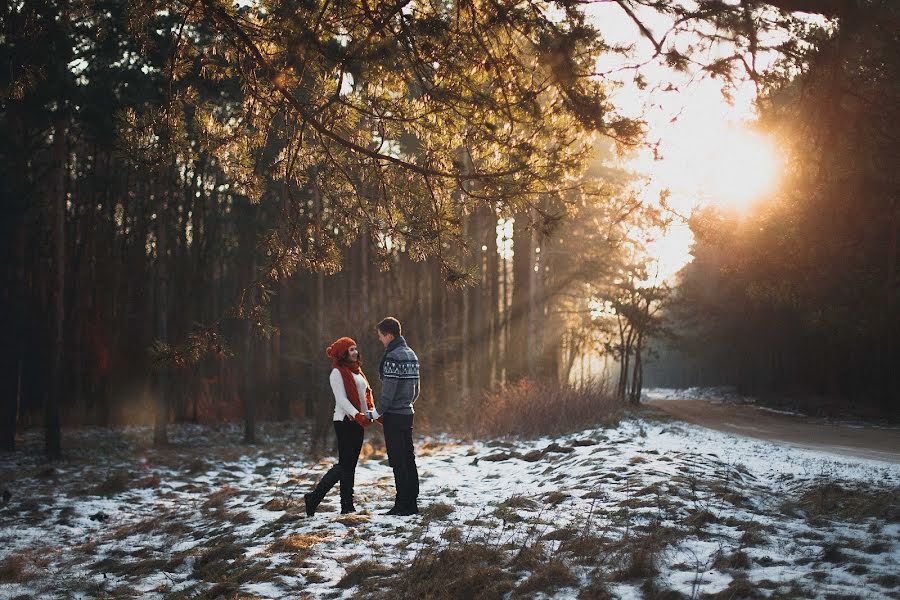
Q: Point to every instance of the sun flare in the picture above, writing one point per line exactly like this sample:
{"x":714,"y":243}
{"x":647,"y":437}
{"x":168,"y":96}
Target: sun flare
{"x":706,"y":161}
{"x":738,"y":169}
{"x":721,"y":164}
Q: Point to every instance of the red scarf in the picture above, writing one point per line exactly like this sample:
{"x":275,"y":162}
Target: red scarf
{"x":347,"y":370}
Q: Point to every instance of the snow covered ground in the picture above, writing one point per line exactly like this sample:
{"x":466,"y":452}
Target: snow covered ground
{"x":722,"y":394}
{"x":649,"y":508}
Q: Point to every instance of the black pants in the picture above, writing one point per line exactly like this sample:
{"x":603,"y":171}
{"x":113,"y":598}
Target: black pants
{"x":349,"y":439}
{"x":402,"y":458}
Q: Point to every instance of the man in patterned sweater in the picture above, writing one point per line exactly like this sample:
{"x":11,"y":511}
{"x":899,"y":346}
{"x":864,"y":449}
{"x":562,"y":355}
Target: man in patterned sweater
{"x":399,"y":372}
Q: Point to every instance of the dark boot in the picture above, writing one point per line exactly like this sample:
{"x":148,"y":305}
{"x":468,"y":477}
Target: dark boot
{"x":347,"y":478}
{"x":325,"y":484}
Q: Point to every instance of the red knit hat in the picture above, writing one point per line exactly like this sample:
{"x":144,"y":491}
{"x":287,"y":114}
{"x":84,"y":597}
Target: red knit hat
{"x":339,"y":348}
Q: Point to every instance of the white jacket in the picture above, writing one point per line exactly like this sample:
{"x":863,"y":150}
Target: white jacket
{"x":342,"y":405}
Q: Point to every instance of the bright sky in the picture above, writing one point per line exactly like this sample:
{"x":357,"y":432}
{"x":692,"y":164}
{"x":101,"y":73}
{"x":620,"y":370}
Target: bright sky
{"x":709,"y":151}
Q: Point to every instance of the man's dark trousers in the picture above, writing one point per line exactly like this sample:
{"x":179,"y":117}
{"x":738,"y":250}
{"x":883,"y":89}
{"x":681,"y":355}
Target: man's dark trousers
{"x":402,"y":458}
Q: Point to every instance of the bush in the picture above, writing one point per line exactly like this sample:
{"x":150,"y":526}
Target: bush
{"x":533,"y":408}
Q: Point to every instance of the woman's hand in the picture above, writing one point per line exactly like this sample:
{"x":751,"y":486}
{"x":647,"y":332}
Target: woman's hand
{"x":362,"y":420}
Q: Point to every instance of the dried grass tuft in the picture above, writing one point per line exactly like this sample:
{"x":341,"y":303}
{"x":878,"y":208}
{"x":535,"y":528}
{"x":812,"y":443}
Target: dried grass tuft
{"x":298,"y":542}
{"x":541,"y":408}
{"x":437,"y":510}
{"x":473,"y":571}
{"x":363,"y":572}
{"x":547,"y":578}
{"x":14,"y":569}
{"x":830,"y":500}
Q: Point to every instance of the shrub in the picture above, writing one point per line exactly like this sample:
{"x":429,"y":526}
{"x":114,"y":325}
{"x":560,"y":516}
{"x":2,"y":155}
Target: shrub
{"x":532,"y":408}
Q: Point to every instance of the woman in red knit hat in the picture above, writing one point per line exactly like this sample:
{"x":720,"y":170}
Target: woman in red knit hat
{"x":352,"y":402}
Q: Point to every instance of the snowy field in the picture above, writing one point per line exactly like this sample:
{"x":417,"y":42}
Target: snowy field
{"x":646,"y":509}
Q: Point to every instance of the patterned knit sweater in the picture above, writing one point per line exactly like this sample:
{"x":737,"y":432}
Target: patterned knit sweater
{"x":399,"y":372}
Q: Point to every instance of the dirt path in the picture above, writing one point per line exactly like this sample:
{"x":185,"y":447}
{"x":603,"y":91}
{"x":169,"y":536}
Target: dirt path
{"x":804,"y":432}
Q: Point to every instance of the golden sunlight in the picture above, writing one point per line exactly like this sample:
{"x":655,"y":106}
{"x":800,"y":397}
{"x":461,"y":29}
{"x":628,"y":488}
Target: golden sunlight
{"x":719,"y":163}
{"x":735,"y":167}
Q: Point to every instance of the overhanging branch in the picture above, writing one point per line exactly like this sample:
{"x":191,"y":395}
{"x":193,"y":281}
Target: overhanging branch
{"x":220,"y":14}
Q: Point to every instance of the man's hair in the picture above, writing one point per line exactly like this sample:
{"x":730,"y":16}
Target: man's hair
{"x":389,"y":325}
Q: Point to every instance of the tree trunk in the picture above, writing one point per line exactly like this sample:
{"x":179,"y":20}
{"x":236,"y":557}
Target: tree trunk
{"x":479,"y":340}
{"x":535,"y":306}
{"x":638,"y":372}
{"x":466,"y":333}
{"x":53,"y":441}
{"x":312,"y":406}
{"x":250,"y":383}
{"x":517,"y":353}
{"x":493,"y":278}
{"x":160,"y":425}
{"x":285,"y":368}
{"x":12,"y":320}
{"x":248,"y":391}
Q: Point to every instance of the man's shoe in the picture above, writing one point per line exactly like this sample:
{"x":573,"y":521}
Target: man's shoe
{"x":347,"y":509}
{"x":393,"y":511}
{"x":408,"y":512}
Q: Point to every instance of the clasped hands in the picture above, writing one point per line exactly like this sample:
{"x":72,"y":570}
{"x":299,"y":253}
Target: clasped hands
{"x":363,"y":420}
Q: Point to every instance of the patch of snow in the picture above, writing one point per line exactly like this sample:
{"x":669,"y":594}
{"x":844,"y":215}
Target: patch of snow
{"x":720,"y":394}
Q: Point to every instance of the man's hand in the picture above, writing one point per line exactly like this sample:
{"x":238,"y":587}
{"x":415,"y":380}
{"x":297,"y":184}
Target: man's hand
{"x":380,"y":419}
{"x":362,"y":420}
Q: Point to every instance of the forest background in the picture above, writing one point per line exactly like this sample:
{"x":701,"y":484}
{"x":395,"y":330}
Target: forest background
{"x":198,"y":196}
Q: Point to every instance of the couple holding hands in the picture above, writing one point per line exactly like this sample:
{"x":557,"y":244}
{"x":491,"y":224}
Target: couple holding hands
{"x":355,"y":409}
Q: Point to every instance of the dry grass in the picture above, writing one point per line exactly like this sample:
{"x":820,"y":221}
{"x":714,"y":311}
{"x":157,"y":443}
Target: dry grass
{"x":638,"y":556}
{"x":584,"y":548}
{"x":878,"y":548}
{"x":508,"y":510}
{"x":363,"y":572}
{"x":887,"y":581}
{"x":518,"y":501}
{"x":452,"y":534}
{"x":738,"y":588}
{"x":352,"y":519}
{"x":547,"y":578}
{"x":596,"y":589}
{"x":148,"y":525}
{"x":736,"y":560}
{"x":115,"y":483}
{"x":650,"y":590}
{"x":557,"y":497}
{"x":437,"y":510}
{"x":541,"y":408}
{"x":14,"y":569}
{"x":474,"y":571}
{"x":640,"y":563}
{"x":566,"y":533}
{"x":529,"y":558}
{"x":698,"y":519}
{"x":278,"y":504}
{"x":217,"y":499}
{"x":214,"y":561}
{"x":833,"y":553}
{"x":830,"y":500}
{"x":297,"y":543}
